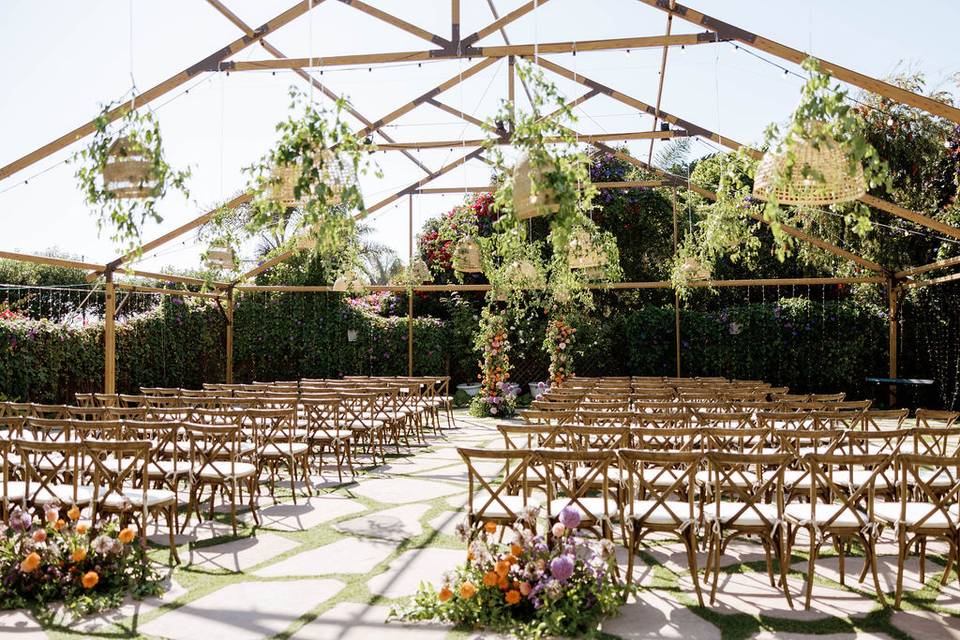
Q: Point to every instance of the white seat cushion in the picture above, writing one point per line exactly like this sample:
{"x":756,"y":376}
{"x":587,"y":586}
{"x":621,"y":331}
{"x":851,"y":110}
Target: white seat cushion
{"x":284,"y":449}
{"x":740,"y":514}
{"x":503,"y":507}
{"x":217,"y":470}
{"x":889,"y":512}
{"x":667,"y":512}
{"x":802,"y":514}
{"x":155,"y":498}
{"x":592,"y":506}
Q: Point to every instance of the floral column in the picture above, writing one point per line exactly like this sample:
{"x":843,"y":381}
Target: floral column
{"x":497,"y":396}
{"x":559,"y":343}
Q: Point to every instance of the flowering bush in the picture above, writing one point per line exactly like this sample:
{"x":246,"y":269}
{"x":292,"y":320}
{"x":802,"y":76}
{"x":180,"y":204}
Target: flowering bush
{"x":497,"y":397}
{"x":530,"y":587}
{"x":53,"y":559}
{"x":439,"y":236}
{"x":558,"y":344}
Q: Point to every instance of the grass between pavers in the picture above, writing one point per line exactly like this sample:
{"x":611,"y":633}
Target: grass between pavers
{"x":201,"y":582}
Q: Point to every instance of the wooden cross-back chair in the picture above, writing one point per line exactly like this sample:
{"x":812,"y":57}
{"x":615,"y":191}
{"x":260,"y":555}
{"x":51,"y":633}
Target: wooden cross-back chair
{"x":168,"y":465}
{"x":871,"y":419}
{"x":506,"y":502}
{"x":799,"y":443}
{"x":930,"y":419}
{"x":724,"y":420}
{"x":216,"y":462}
{"x":734,"y":439}
{"x":277,"y":445}
{"x":572,"y":479}
{"x":837,"y":420}
{"x":665,"y":438}
{"x":604,"y":418}
{"x":927,"y":508}
{"x":660,"y":497}
{"x":51,"y":473}
{"x":358,"y":413}
{"x":320,"y":419}
{"x":936,"y":441}
{"x":740,"y":485}
{"x":663,"y":420}
{"x":12,"y":490}
{"x":536,"y":416}
{"x":789,"y":420}
{"x":839,"y":512}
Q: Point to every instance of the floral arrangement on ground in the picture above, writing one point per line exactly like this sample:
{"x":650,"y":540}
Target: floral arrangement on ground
{"x":54,"y":559}
{"x":533,"y":586}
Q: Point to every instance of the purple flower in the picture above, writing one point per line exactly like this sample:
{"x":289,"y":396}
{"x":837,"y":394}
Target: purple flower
{"x":570,"y":517}
{"x":561,"y":567}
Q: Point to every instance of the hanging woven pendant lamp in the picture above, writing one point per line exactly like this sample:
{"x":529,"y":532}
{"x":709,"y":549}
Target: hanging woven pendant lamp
{"x":583,"y":252}
{"x":821,"y":175}
{"x":419,"y":272}
{"x":694,"y":270}
{"x":220,"y":256}
{"x":528,"y":203}
{"x":466,"y":256}
{"x":128,"y":170}
{"x":335,"y":172}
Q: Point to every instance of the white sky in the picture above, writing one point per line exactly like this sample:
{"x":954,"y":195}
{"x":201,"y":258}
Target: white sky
{"x":63,"y":59}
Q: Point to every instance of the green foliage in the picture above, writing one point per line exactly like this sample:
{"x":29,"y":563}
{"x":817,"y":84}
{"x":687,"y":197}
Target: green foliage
{"x":125,"y":217}
{"x":461,"y":399}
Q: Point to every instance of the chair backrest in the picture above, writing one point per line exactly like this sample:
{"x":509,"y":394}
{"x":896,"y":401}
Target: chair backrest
{"x":830,"y":475}
{"x":790,"y":420}
{"x":881,"y":442}
{"x":321,"y":416}
{"x":930,"y":419}
{"x":663,"y":420}
{"x":725,"y":420}
{"x":534,"y":436}
{"x":871,"y":418}
{"x":536,"y":416}
{"x":748,"y":480}
{"x":485,"y":495}
{"x":936,"y":441}
{"x":598,"y":438}
{"x":663,"y":480}
{"x":800,"y":442}
{"x":164,"y":444}
{"x":276,"y":427}
{"x":837,"y":420}
{"x":211,"y":444}
{"x":933,"y":481}
{"x":665,"y":438}
{"x":117,"y":470}
{"x":604,"y":418}
{"x":733,"y":439}
{"x":46,"y":465}
{"x":48,"y":429}
{"x":572,"y":476}
{"x":88,"y":413}
{"x":52,"y":411}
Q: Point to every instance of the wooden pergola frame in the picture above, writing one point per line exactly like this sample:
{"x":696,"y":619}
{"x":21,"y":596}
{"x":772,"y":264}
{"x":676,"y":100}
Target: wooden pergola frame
{"x":460,"y":47}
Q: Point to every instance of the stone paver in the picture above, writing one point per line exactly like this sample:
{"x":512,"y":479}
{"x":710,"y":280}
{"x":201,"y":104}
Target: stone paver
{"x":886,"y":572}
{"x":674,"y":555}
{"x":243,"y":611}
{"x":394,"y":524}
{"x":130,"y":608}
{"x":307,"y":513}
{"x":927,"y":624}
{"x":653,"y":614}
{"x":403,"y":490}
{"x":853,"y":635}
{"x":446,"y":523}
{"x":410,"y":568}
{"x":241,"y":554}
{"x":206,"y":530}
{"x":751,"y":593}
{"x":354,"y":621}
{"x":350,"y":555}
{"x":18,"y":624}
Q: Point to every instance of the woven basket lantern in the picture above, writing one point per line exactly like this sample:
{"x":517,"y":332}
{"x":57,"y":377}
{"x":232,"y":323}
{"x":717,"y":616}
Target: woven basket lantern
{"x":828,"y":159}
{"x":349,"y":281}
{"x":220,"y":256}
{"x":335,"y":172}
{"x":583,"y":252}
{"x":694,"y":270}
{"x":524,"y":275}
{"x":466,"y":256}
{"x":128,"y":170}
{"x":526,"y":202}
{"x":419,"y":272}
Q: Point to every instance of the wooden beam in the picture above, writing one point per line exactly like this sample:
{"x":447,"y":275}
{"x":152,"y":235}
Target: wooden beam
{"x":586,"y":138}
{"x":454,"y":31}
{"x":460,"y":114}
{"x":939,"y":264}
{"x":228,"y":316}
{"x":49,"y":261}
{"x":161,"y":89}
{"x":694,"y":129}
{"x":166,"y":277}
{"x":893,"y":298}
{"x":731,"y":32}
{"x":110,"y":336}
{"x":506,"y":40}
{"x":490,"y":188}
{"x":953,"y":277}
{"x":499,"y":51}
{"x":399,"y":23}
{"x":500,"y":23}
{"x":660,"y":80}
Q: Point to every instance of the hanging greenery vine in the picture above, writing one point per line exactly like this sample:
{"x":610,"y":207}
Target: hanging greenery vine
{"x":123,"y":172}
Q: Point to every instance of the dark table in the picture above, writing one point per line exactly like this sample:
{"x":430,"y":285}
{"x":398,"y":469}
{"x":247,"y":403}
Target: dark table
{"x":893,"y":383}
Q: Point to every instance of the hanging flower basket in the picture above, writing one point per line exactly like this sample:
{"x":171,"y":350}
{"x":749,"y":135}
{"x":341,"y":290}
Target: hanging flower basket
{"x":128,"y":170}
{"x":419,"y":272}
{"x":220,"y":256}
{"x":583,"y":252}
{"x":528,"y":203}
{"x":349,"y":281}
{"x":693,"y":270}
{"x":821,"y":174}
{"x":466,"y":256}
{"x":523,"y":274}
{"x":334,"y":171}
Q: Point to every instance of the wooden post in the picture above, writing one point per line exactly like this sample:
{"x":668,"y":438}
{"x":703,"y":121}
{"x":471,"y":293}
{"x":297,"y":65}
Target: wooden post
{"x":676,"y":294}
{"x":410,"y":290}
{"x":893,"y":294}
{"x":109,"y":336}
{"x":228,"y":314}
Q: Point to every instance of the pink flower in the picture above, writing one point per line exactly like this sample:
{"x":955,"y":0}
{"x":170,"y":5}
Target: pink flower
{"x":558,"y":529}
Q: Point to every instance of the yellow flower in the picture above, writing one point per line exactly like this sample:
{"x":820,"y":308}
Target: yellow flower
{"x":74,"y":513}
{"x":468,"y":590}
{"x":126,"y":535}
{"x":79,"y":554}
{"x":30,"y":563}
{"x":445,"y":594}
{"x":90,"y":579}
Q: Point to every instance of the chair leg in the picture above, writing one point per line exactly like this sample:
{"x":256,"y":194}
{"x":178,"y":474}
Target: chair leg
{"x":814,"y":548}
{"x":841,"y":545}
{"x":923,"y":559}
{"x":870,"y":548}
{"x":766,"y":551}
{"x":716,"y":551}
{"x":631,"y":551}
{"x":171,"y":525}
{"x":690,"y":540}
{"x":783,"y":563}
{"x":901,"y":560}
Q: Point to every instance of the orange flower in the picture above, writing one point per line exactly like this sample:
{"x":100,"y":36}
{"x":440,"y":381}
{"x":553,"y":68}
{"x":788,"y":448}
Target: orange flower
{"x":39,"y":535}
{"x":445,"y":594}
{"x":90,"y":579}
{"x":59,"y":524}
{"x":51,"y":515}
{"x":469,"y":555}
{"x":490,"y":579}
{"x":502,"y":568}
{"x":126,"y":535}
{"x":503,"y":584}
{"x":468,"y":590}
{"x":79,"y":554}
{"x":516,"y":549}
{"x":490,"y":527}
{"x":82,"y":529}
{"x":31,"y":563}
{"x":512,"y":597}
{"x":525,"y":588}
{"x":74,"y":513}
{"x":511,"y":559}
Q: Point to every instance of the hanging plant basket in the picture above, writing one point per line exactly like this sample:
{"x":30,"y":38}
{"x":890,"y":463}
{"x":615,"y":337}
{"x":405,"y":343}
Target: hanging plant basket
{"x":583,"y":252}
{"x":466,"y":256}
{"x":523,"y":274}
{"x":693,"y":270}
{"x":528,"y":203}
{"x":128,"y":170}
{"x":336,"y":172}
{"x":349,"y":281}
{"x":220,"y":256}
{"x":821,"y":175}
